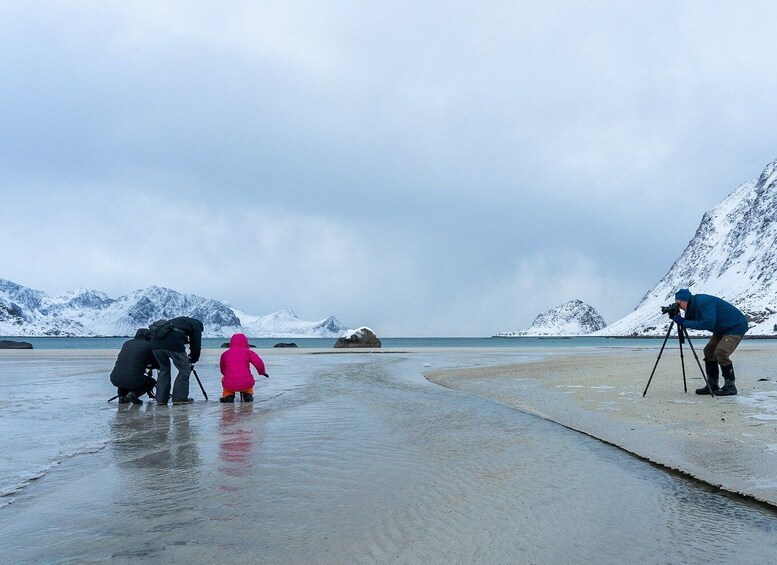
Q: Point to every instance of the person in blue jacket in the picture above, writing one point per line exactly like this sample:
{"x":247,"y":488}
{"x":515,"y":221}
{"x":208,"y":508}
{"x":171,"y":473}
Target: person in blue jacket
{"x":728,"y":326}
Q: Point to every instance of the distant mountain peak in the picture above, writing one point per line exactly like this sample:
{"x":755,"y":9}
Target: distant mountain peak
{"x":288,"y":312}
{"x":573,"y":318}
{"x":83,"y":312}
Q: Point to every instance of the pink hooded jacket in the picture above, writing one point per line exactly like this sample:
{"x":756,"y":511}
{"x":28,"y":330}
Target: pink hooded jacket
{"x":236,"y":364}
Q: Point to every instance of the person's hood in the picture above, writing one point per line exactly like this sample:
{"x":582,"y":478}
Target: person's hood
{"x":239,"y":340}
{"x":144,"y":334}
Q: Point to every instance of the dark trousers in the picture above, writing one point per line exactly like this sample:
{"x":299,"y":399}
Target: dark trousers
{"x":147,"y":387}
{"x":181,"y":386}
{"x":720,"y":347}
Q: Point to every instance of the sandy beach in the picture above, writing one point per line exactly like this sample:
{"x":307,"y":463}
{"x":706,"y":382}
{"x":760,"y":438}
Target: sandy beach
{"x":728,"y":442}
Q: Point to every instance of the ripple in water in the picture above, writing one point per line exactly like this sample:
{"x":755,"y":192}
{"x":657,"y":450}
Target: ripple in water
{"x":356,"y":459}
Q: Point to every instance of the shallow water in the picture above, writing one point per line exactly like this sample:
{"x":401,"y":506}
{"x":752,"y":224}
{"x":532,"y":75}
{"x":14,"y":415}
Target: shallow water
{"x":342,"y":458}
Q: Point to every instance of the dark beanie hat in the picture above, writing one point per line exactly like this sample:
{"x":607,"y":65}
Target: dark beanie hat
{"x":143,"y":333}
{"x":683,"y":294}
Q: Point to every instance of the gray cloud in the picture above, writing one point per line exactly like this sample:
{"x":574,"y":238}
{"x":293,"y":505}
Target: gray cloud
{"x":423,"y":169}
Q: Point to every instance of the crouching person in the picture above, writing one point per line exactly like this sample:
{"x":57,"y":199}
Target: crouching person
{"x":235,"y":367}
{"x":132,"y":373}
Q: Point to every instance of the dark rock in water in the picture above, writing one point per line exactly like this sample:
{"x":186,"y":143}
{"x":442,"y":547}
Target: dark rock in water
{"x":285,"y":345}
{"x":363,"y":337}
{"x":226,"y":346}
{"x":8,"y":344}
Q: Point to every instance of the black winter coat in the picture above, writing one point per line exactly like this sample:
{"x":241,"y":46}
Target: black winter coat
{"x":133,"y":360}
{"x":186,"y":330}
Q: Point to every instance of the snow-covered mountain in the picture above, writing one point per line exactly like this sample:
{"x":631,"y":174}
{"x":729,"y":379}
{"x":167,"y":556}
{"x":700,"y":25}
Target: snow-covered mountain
{"x":571,"y":318}
{"x":285,"y":323}
{"x":28,"y":312}
{"x":733,"y":255}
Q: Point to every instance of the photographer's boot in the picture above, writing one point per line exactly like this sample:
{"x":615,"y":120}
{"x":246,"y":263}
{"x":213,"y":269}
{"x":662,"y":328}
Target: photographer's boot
{"x":712,"y":378}
{"x":132,"y":397}
{"x":729,"y":389}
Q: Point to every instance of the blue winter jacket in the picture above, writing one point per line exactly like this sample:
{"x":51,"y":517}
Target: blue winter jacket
{"x":715,"y":315}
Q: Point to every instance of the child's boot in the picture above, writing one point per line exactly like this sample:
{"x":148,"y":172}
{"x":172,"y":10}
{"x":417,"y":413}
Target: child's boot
{"x":246,"y":397}
{"x":230,"y":398}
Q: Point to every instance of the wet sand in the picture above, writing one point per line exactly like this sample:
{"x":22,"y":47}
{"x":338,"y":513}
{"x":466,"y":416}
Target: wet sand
{"x":356,"y":458}
{"x":728,"y":442}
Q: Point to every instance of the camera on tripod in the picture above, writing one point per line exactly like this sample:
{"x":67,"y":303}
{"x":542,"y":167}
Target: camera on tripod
{"x":672,"y":310}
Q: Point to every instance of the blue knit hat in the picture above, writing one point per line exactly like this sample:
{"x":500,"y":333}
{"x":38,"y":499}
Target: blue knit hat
{"x":683,"y":294}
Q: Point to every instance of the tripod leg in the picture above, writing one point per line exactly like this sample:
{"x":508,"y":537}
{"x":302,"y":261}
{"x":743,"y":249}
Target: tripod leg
{"x":680,"y":338}
{"x":199,"y":382}
{"x":671,"y":324}
{"x":703,"y":374}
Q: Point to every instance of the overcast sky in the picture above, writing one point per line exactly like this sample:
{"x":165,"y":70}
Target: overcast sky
{"x":423,"y":168}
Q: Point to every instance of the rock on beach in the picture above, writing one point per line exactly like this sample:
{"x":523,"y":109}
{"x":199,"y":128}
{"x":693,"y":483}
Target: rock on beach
{"x":9,"y":344}
{"x":363,"y":337}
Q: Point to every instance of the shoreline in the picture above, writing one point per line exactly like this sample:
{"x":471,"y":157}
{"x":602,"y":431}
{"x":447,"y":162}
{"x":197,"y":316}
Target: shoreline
{"x":729,"y":443}
{"x":262,"y":352}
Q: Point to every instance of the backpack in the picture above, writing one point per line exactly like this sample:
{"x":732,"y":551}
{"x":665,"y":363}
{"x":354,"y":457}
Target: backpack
{"x":161,"y":328}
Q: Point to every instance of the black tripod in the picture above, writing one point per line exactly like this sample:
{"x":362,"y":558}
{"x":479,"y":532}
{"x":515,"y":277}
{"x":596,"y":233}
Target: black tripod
{"x":199,"y":382}
{"x":682,"y":335}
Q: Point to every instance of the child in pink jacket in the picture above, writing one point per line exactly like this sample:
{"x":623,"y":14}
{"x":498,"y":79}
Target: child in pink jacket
{"x":236,"y":370}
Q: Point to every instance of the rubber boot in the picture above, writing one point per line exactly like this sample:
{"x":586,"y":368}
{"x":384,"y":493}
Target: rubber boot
{"x":246,"y":397}
{"x":230,"y":398}
{"x":183,"y":401}
{"x":132,"y":397}
{"x":729,"y":389}
{"x":712,"y":378}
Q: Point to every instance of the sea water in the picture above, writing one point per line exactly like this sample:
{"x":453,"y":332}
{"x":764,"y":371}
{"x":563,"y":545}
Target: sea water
{"x":342,"y":458}
{"x":387,"y":342}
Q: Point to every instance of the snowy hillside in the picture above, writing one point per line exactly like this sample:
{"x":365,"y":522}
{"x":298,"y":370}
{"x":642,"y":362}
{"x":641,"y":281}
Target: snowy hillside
{"x":28,"y":312}
{"x":733,"y":255}
{"x":569,"y":319}
{"x":285,"y":323}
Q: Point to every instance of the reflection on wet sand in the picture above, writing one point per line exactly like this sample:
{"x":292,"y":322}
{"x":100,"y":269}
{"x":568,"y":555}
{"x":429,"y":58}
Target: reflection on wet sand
{"x":238,"y":441}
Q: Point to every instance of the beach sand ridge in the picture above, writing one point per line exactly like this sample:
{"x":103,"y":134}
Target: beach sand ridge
{"x":727,"y":442}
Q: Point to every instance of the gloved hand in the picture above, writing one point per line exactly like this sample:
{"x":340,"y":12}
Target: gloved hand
{"x":679,"y":320}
